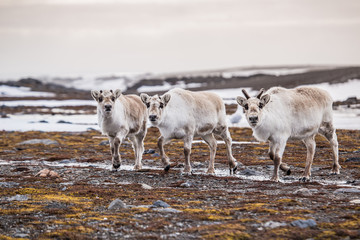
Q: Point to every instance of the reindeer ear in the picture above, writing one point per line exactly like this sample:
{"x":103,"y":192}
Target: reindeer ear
{"x":95,"y":94}
{"x":241,"y":101}
{"x":265,"y":99}
{"x":166,"y":98}
{"x":117,"y":93}
{"x":144,"y":97}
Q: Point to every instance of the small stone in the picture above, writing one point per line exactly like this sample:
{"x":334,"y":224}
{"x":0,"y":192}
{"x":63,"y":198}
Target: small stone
{"x":272,"y":224}
{"x":117,"y":204}
{"x":21,"y":235}
{"x":43,"y":121}
{"x":39,"y":141}
{"x":103,"y":143}
{"x":347,"y":190}
{"x":145,"y":186}
{"x":186,"y":185}
{"x":167,"y":210}
{"x":9,"y":184}
{"x":95,"y":182}
{"x":155,"y":155}
{"x":356,"y":201}
{"x":303,"y":192}
{"x":67,"y":161}
{"x":18,"y":198}
{"x":197,"y":165}
{"x":47,"y":173}
{"x":149,"y":151}
{"x":160,"y":203}
{"x":353,"y":159}
{"x":303,"y":223}
{"x":64,"y":122}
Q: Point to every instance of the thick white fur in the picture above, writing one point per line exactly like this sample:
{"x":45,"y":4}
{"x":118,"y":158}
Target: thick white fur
{"x":187,"y":115}
{"x":298,"y":113}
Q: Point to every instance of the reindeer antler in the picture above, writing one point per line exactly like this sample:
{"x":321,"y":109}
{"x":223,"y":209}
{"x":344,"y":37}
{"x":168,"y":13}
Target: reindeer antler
{"x":260,"y":93}
{"x":245,"y":94}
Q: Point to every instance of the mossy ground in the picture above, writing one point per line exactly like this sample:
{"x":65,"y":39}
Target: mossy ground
{"x":213,"y":207}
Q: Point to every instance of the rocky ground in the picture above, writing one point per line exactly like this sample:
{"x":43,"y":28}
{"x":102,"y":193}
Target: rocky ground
{"x":83,"y":199}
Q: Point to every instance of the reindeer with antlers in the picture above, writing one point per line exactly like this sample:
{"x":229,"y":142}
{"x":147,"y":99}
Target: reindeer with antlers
{"x":281,"y":114}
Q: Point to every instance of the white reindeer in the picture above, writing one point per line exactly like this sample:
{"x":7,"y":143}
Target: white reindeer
{"x":283,"y":114}
{"x":182,"y":114}
{"x":121,"y":117}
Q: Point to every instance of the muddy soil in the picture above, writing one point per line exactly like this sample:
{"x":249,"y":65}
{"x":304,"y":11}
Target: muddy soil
{"x":247,"y":205}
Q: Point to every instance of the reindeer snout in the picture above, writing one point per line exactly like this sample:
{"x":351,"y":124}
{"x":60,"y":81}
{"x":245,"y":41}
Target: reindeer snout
{"x":152,"y":118}
{"x":108,"y":108}
{"x":253,"y":119}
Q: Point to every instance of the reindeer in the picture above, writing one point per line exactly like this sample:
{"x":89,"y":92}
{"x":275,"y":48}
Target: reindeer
{"x":121,"y":117}
{"x":182,"y":114}
{"x":281,"y":114}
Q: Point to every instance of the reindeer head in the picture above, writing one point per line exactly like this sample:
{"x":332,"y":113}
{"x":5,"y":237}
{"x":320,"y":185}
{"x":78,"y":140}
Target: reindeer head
{"x":106,"y":100}
{"x":155,"y":106}
{"x":253,"y":106}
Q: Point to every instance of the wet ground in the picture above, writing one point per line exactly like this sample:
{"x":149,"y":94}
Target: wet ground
{"x":75,"y":205}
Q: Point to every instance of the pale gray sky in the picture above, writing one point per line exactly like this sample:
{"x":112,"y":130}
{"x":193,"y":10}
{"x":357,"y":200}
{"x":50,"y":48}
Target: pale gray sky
{"x":64,"y":37}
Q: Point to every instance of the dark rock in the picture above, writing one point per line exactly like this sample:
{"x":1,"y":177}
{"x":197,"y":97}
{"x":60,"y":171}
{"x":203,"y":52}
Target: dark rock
{"x":353,"y":159}
{"x":160,"y":203}
{"x":64,"y":122}
{"x":9,"y":184}
{"x":39,"y":141}
{"x":303,"y":223}
{"x":105,"y":142}
{"x":43,"y":121}
{"x":250,"y":172}
{"x":347,"y":190}
{"x":155,"y":155}
{"x":303,"y":192}
{"x":56,"y":205}
{"x":149,"y":151}
{"x":117,"y":204}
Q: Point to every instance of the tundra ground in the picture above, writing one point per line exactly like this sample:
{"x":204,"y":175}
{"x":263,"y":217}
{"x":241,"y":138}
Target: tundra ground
{"x":75,"y":205}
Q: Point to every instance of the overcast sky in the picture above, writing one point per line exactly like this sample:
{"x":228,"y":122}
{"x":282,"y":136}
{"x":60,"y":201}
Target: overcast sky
{"x":65,"y":37}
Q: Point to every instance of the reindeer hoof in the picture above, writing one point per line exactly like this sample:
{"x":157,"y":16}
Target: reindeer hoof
{"x":288,"y":172}
{"x":233,"y":170}
{"x":167,"y":168}
{"x":304,"y":179}
{"x":137,"y":167}
{"x":116,"y":166}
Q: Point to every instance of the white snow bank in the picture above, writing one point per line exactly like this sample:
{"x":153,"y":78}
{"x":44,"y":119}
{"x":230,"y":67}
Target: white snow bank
{"x":48,"y":103}
{"x":166,"y":86}
{"x":10,"y":91}
{"x":36,"y":122}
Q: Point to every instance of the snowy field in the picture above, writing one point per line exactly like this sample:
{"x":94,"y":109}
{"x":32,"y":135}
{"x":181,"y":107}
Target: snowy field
{"x":344,"y":118}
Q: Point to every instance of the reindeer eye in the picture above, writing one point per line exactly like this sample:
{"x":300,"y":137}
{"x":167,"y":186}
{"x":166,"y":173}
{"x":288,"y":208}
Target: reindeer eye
{"x":100,"y":99}
{"x":246,"y":107}
{"x":113,"y":99}
{"x":161,"y":105}
{"x":261,"y":105}
{"x":147,"y":105}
